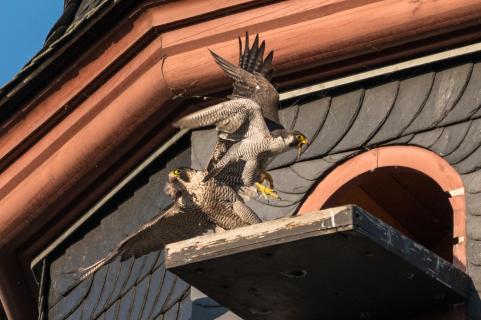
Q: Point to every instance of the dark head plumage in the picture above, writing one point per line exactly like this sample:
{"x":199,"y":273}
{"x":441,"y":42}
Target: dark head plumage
{"x":182,"y":173}
{"x":292,"y":138}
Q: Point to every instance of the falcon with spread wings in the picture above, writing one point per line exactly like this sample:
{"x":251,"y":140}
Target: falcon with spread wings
{"x":249,"y":132}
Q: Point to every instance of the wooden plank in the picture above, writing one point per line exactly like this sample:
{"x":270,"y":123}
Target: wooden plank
{"x":314,"y":265}
{"x":276,"y":231}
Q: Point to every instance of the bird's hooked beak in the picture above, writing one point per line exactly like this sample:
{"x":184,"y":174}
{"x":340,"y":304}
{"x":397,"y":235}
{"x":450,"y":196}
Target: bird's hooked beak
{"x":302,"y":142}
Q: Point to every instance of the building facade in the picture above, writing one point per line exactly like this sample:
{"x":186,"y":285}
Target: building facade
{"x":388,"y":93}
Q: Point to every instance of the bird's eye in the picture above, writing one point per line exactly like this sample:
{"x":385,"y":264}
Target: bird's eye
{"x":299,"y":137}
{"x":177,"y":172}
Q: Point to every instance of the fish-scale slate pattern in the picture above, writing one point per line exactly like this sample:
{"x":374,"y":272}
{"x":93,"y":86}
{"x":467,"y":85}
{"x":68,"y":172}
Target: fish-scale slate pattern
{"x":133,"y":289}
{"x":437,"y":108}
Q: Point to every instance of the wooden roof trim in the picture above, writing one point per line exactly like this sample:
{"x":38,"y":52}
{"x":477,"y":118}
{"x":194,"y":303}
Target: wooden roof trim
{"x":93,"y":68}
{"x":104,"y":59}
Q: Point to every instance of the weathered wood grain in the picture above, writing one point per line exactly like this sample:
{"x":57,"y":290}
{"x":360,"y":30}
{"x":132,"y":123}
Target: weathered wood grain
{"x":278,"y":231}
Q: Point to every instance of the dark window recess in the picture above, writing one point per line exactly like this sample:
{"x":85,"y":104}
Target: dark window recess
{"x":406,"y":199}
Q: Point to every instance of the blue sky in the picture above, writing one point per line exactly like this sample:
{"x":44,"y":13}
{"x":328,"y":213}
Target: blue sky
{"x":23,"y":27}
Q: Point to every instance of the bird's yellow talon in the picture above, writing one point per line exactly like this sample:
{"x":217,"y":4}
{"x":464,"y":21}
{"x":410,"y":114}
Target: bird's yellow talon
{"x":266,"y":176}
{"x":266,"y":192}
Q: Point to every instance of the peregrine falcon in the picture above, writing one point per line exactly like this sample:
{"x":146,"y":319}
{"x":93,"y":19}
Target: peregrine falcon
{"x":241,"y":120}
{"x":218,"y":201}
{"x":252,"y":78}
{"x":199,"y":207}
{"x":252,"y":81}
{"x":251,"y":90}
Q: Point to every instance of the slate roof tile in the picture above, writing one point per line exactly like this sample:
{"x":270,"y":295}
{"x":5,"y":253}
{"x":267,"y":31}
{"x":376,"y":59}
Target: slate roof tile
{"x":470,"y":101}
{"x":410,"y":99}
{"x":447,"y":89}
{"x":377,"y":104}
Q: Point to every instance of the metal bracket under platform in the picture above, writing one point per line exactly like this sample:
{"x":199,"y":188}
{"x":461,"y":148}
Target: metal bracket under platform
{"x":339,"y":263}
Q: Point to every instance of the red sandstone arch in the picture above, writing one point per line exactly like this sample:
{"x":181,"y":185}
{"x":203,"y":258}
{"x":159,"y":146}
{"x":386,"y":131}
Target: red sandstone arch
{"x":397,"y":158}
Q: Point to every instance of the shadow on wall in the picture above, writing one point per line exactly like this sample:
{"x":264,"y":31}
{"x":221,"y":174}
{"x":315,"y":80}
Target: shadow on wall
{"x":474,"y":303}
{"x":206,"y":309}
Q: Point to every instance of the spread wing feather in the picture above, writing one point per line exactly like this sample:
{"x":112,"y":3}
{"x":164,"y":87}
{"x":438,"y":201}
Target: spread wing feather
{"x":252,"y":77}
{"x":234,"y":119}
{"x":245,"y":83}
{"x":170,"y":226}
{"x":213,"y":115}
{"x":251,"y":80}
{"x":252,"y":59}
{"x":267,"y":69}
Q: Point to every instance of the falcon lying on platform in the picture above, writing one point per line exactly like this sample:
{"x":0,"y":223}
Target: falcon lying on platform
{"x":199,"y":207}
{"x":245,"y":143}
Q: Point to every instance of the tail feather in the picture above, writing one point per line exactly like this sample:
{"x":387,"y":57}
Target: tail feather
{"x":87,"y":271}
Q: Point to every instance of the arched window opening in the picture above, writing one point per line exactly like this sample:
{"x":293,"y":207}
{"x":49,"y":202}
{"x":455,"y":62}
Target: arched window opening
{"x":412,"y":189}
{"x":406,"y":199}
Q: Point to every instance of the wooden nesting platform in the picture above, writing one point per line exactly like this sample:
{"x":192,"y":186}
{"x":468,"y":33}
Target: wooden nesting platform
{"x":340,"y":263}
